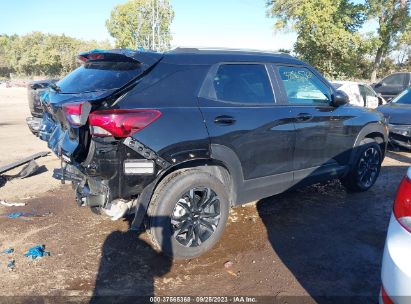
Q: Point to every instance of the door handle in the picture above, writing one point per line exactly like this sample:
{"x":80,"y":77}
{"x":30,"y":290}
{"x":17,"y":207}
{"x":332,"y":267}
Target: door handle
{"x":224,"y":120}
{"x":304,"y":117}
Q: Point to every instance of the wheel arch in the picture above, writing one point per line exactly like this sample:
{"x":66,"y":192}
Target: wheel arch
{"x":376,"y":131}
{"x":213,"y":166}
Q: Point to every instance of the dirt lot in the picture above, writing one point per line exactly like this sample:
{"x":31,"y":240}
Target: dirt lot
{"x":17,"y":142}
{"x":319,"y":244}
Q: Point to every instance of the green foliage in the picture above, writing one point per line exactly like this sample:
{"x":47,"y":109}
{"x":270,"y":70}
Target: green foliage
{"x":142,"y":23}
{"x":393,"y":20}
{"x":42,"y":54}
{"x":326,"y":32}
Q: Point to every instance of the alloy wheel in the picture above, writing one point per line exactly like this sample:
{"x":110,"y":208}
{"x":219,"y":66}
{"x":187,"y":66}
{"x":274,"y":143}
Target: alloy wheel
{"x":195,"y":216}
{"x":368,"y":167}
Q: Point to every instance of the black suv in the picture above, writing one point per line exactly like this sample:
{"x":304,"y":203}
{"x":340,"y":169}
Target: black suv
{"x":393,"y":85}
{"x":180,"y":137}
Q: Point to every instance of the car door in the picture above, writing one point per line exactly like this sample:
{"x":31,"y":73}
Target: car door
{"x":392,"y":85}
{"x":243,"y":116}
{"x":358,"y":100}
{"x":369,"y":96}
{"x":321,"y":136}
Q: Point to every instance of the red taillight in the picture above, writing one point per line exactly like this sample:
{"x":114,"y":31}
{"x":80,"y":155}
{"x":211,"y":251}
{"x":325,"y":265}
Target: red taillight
{"x":402,"y":204}
{"x":385,"y":298}
{"x":120,"y":123}
{"x":73,"y":112}
{"x":89,"y":57}
{"x":95,"y":57}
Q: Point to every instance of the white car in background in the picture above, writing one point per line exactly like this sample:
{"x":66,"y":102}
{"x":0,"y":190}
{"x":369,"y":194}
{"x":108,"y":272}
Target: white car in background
{"x":396,"y":263}
{"x":360,"y":94}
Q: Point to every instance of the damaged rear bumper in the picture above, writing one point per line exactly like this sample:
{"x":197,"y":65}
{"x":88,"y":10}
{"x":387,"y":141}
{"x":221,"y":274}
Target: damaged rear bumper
{"x":89,"y":191}
{"x":105,"y":170}
{"x":34,"y":124}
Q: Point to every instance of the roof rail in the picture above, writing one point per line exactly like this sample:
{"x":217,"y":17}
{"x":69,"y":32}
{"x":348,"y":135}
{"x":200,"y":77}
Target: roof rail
{"x":196,"y":50}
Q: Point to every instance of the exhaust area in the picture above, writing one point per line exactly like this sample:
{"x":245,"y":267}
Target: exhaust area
{"x":117,"y":209}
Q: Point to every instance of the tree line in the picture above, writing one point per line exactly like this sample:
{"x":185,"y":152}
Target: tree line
{"x":39,"y":54}
{"x":331,"y":35}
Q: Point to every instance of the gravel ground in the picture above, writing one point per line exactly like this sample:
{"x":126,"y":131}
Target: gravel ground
{"x":317,"y":244}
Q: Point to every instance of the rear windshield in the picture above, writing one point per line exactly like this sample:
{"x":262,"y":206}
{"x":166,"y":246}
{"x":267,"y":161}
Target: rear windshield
{"x":97,"y":76}
{"x":403,"y":98}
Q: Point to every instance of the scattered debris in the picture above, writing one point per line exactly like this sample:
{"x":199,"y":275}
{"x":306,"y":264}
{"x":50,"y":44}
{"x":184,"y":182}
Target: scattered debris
{"x":36,"y":252}
{"x":11,"y":264}
{"x":3,"y":181}
{"x":8,"y":251}
{"x":228,"y":264}
{"x":15,"y":215}
{"x":11,"y":204}
{"x":30,"y":169}
{"x":134,"y":228}
{"x":22,"y":162}
{"x":232,"y":273}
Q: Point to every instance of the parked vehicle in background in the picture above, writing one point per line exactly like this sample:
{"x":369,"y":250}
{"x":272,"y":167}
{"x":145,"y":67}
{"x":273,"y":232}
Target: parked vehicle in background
{"x":360,"y":94}
{"x":393,"y":85}
{"x":187,"y":134}
{"x":35,"y":89}
{"x":396,"y":263}
{"x":398,"y":115}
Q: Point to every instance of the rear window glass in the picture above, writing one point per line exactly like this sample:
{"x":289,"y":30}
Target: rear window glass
{"x":243,"y":83}
{"x":395,"y":79}
{"x":403,"y":98}
{"x":97,"y":76}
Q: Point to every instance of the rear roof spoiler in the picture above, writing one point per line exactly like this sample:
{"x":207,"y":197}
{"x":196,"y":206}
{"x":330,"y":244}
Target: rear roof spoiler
{"x":146,"y":58}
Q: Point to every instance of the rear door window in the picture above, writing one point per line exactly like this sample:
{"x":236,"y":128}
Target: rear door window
{"x":303,"y":87}
{"x":98,"y":76}
{"x":243,"y":83}
{"x":395,"y":80}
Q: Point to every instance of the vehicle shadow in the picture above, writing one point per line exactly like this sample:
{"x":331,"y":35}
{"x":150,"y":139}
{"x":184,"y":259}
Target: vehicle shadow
{"x":128,"y":268}
{"x":332,"y":241}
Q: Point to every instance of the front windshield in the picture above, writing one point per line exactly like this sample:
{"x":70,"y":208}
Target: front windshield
{"x":403,"y":98}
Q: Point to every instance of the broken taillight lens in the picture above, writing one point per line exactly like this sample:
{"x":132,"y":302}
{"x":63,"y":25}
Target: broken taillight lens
{"x":120,"y":123}
{"x":402,"y":204}
{"x":72,"y":111}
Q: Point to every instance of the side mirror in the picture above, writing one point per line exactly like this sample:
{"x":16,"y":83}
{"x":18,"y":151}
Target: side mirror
{"x":378,"y":84}
{"x":339,"y":98}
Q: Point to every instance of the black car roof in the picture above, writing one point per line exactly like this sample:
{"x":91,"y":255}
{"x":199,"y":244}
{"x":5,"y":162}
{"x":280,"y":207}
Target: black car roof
{"x":211,"y":56}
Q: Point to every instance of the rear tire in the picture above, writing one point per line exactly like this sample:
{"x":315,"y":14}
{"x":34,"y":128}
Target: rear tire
{"x":364,"y":173}
{"x":187,"y":213}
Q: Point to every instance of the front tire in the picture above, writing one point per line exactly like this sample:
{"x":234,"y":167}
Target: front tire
{"x":364,"y":173}
{"x":188,"y":213}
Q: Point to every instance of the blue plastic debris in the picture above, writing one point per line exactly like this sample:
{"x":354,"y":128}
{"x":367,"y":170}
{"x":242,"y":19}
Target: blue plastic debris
{"x":15,"y":215}
{"x":8,"y":251}
{"x":36,"y":252}
{"x":11,"y":264}
{"x":134,"y":228}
